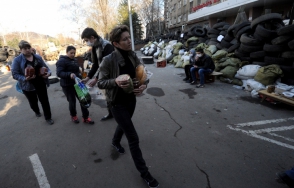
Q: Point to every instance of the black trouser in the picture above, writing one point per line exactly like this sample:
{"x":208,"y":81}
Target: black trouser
{"x":123,"y":115}
{"x":109,"y":108}
{"x":187,"y":71}
{"x":40,"y":93}
{"x":71,"y":96}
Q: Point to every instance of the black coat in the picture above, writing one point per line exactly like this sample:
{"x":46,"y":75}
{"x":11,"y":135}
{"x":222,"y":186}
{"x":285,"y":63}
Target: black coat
{"x":205,"y":62}
{"x":64,"y":67}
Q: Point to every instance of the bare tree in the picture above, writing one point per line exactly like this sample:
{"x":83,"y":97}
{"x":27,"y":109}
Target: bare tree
{"x":102,"y":16}
{"x":150,"y":11}
{"x":75,"y":12}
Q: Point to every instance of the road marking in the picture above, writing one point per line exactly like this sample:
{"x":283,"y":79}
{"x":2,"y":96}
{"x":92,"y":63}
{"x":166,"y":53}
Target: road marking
{"x":39,"y":171}
{"x":276,"y":135}
{"x":269,"y":131}
{"x":263,"y":122}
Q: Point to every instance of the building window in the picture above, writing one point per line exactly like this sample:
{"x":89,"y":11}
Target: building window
{"x":184,"y":2}
{"x":198,"y":2}
{"x":179,"y":19}
{"x":184,"y":17}
{"x":191,"y":6}
{"x":175,"y":20}
{"x":174,"y":6}
{"x":180,"y":4}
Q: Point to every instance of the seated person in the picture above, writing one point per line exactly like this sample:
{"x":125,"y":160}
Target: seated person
{"x":188,"y":78}
{"x":204,"y":65}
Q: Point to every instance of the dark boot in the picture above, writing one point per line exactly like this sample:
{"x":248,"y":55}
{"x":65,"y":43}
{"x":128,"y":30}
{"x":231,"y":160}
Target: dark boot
{"x":106,"y":117}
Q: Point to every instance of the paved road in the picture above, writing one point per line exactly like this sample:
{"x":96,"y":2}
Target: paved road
{"x":213,"y":137}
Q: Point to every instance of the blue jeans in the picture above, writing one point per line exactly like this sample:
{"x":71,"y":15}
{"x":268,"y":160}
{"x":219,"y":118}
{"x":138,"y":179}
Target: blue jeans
{"x":201,"y":73}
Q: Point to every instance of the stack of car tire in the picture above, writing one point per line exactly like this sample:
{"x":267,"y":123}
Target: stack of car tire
{"x":3,"y":56}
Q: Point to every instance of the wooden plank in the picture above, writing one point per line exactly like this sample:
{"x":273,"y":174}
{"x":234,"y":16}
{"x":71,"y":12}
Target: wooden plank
{"x":276,"y":97}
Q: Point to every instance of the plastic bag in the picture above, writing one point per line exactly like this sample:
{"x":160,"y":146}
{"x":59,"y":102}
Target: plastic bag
{"x":17,"y":87}
{"x":83,"y":93}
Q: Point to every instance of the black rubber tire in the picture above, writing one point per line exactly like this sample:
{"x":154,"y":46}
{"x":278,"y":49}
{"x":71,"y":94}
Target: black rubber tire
{"x":265,"y":33}
{"x":219,"y":46}
{"x":226,"y":27}
{"x":262,"y":64}
{"x":287,"y":81}
{"x":245,"y":59}
{"x":3,"y":55}
{"x":212,"y":43}
{"x":257,"y":54}
{"x":249,"y":40}
{"x":288,"y":71}
{"x":274,"y":60}
{"x":234,"y":41}
{"x":260,"y":38}
{"x":11,"y":52}
{"x":225,"y":44}
{"x":291,"y":44}
{"x":240,"y":26}
{"x":213,"y":31}
{"x":212,"y":36}
{"x":246,"y":29}
{"x":223,"y":33}
{"x":282,"y":39}
{"x":266,"y":17}
{"x":250,"y":49}
{"x":195,"y":26}
{"x":231,"y":30}
{"x":214,"y":39}
{"x":274,"y":48}
{"x":289,"y":29}
{"x":201,"y":40}
{"x":228,"y":37}
{"x":233,"y":48}
{"x":239,"y":54}
{"x":288,"y":55}
{"x":219,"y":25}
{"x":199,"y":32}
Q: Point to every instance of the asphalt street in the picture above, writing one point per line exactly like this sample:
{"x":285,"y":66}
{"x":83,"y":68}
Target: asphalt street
{"x":212,"y":137}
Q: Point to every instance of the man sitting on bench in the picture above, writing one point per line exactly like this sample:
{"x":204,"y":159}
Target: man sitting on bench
{"x":204,"y":65}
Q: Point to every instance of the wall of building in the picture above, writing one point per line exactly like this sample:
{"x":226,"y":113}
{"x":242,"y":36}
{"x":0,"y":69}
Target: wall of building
{"x":180,"y":8}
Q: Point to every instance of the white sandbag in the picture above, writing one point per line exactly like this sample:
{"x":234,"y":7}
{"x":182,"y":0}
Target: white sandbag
{"x":181,"y":52}
{"x":172,"y":42}
{"x":245,"y":85}
{"x":254,"y":94}
{"x":254,"y":85}
{"x":150,"y":50}
{"x":248,"y":70}
{"x":284,"y":86}
{"x":152,"y":45}
{"x":241,"y":77}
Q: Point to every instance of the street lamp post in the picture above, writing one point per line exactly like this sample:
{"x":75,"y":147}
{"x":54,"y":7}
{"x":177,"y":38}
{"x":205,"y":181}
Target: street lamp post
{"x":131,"y":25}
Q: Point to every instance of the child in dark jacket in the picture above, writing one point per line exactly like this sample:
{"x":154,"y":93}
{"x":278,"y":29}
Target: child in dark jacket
{"x":67,"y":69}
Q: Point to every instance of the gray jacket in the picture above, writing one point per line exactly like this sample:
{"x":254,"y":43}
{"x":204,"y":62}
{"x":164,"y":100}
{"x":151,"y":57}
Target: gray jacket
{"x":109,"y":71}
{"x":18,"y":72}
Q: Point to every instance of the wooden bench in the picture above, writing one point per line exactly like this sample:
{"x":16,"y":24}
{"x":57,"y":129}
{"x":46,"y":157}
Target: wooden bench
{"x":276,"y":97}
{"x":209,"y":78}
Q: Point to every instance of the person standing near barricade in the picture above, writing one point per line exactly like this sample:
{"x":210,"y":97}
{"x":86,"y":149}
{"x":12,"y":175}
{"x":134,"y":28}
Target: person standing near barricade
{"x":67,"y":68}
{"x":32,"y":74}
{"x":122,"y":62}
{"x":100,"y":49}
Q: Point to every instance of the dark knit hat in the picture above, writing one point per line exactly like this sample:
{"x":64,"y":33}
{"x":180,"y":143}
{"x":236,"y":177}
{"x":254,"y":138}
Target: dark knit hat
{"x":24,"y":44}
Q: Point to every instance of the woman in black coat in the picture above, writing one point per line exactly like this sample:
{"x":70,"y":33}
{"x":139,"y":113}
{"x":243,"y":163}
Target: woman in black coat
{"x":67,"y":69}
